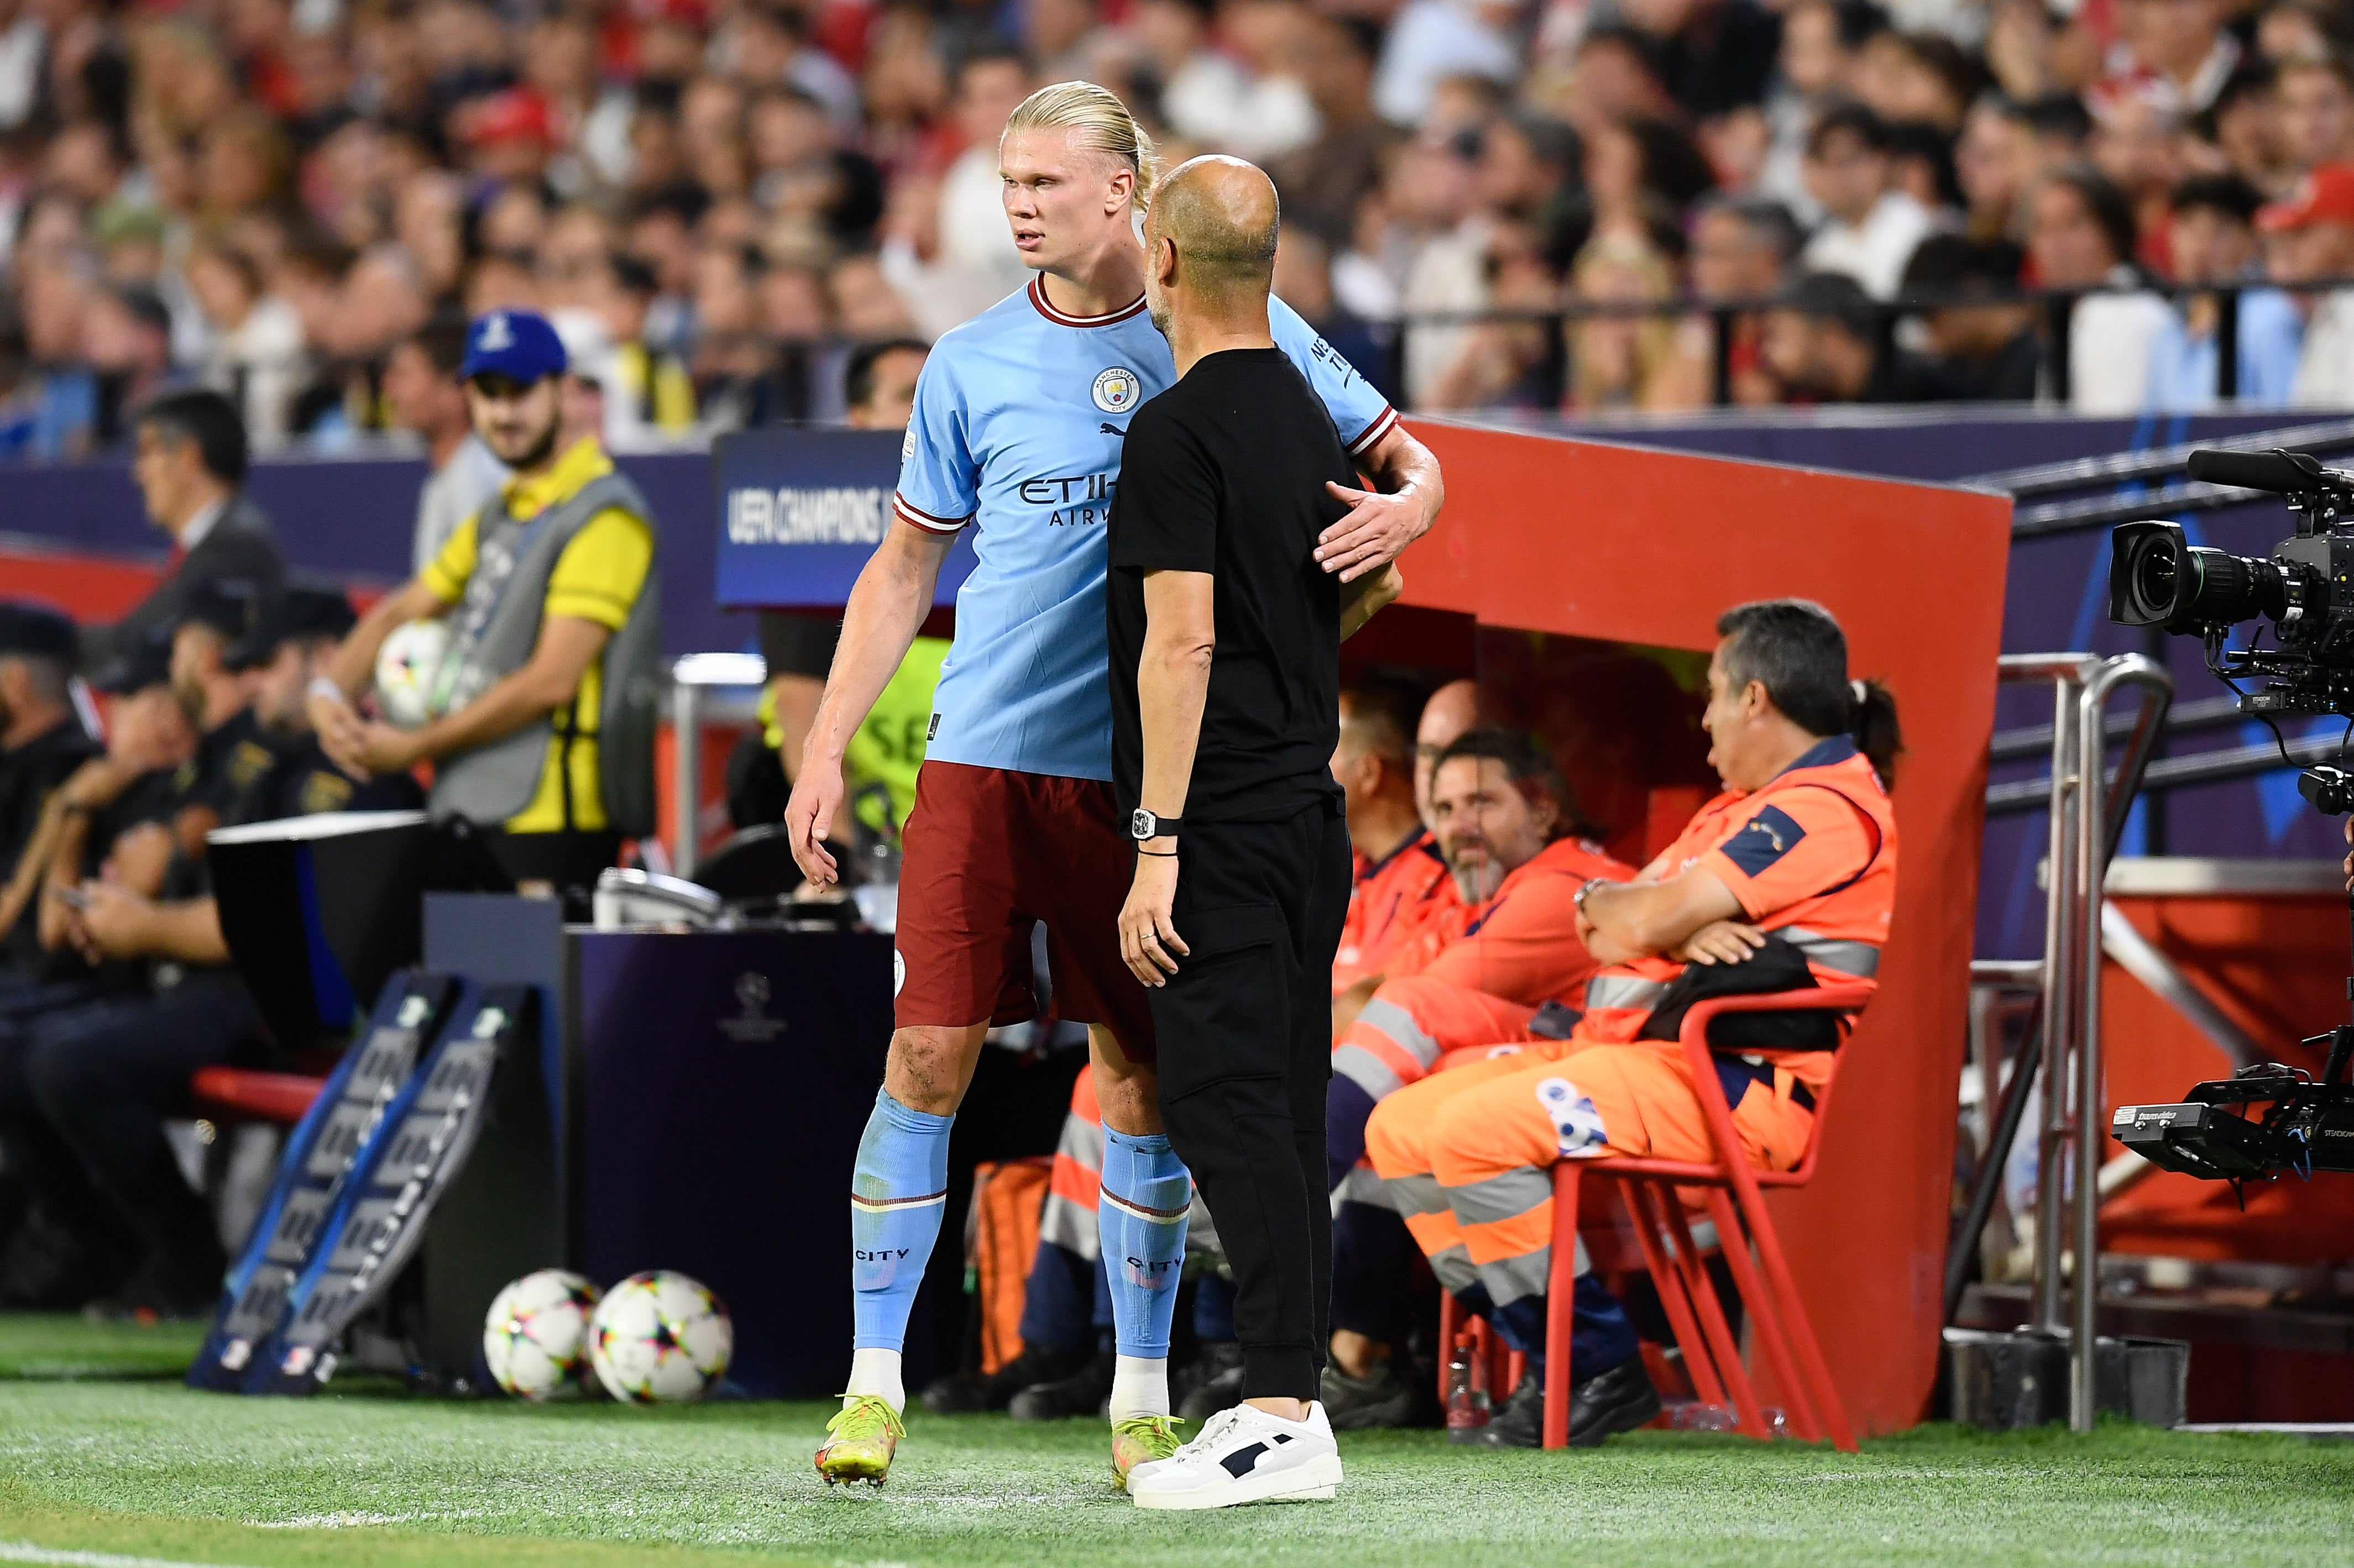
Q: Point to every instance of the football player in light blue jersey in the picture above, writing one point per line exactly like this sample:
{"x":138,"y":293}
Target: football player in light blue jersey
{"x":1018,"y":419}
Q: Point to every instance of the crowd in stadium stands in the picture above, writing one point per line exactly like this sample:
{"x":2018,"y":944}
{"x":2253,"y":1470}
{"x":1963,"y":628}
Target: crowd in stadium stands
{"x":719,"y":198}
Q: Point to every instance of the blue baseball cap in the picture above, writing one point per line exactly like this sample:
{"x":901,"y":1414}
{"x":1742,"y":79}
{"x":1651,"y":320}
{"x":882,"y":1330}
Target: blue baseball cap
{"x":517,"y":344}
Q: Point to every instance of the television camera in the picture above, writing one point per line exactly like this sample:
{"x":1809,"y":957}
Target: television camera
{"x":2267,"y":1117}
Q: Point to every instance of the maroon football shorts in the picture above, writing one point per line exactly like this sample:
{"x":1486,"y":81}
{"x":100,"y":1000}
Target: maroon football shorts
{"x":988,"y":854}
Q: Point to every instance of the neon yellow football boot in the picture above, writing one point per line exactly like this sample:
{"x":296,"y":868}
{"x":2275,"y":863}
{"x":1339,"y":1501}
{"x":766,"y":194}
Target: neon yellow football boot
{"x":860,"y":1441}
{"x":1140,"y":1440}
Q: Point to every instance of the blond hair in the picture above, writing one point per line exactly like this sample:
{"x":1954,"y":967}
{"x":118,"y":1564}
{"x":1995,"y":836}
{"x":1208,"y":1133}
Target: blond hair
{"x":1104,"y":124}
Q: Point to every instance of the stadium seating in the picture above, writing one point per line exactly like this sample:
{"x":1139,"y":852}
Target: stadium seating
{"x":1651,"y":1192}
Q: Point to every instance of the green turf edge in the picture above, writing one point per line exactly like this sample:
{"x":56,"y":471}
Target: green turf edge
{"x":28,"y":1517}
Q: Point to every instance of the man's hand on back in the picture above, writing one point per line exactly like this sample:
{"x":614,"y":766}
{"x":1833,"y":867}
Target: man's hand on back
{"x":1377,"y":531}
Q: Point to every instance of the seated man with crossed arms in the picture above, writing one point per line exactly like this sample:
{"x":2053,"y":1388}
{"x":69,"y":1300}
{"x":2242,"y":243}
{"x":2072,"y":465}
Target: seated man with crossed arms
{"x":1795,"y":859}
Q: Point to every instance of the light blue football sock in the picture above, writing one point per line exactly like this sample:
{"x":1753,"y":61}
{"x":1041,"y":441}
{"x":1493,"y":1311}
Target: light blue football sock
{"x":1140,"y":1216}
{"x":898,"y":1191}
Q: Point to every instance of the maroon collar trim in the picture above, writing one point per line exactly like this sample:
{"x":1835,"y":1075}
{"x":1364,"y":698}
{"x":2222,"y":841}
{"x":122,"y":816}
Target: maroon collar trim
{"x":1038,"y":298}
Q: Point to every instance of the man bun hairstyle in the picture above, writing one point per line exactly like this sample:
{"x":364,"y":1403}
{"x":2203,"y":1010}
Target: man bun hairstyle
{"x":1104,"y":124}
{"x":1528,"y":768}
{"x":1795,"y":649}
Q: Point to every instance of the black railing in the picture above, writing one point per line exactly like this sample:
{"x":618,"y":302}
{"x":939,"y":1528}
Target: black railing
{"x":2055,"y":306}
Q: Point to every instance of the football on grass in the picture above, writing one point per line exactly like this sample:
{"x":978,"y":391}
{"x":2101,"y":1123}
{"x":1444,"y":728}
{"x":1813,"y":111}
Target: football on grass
{"x":535,"y":1339}
{"x":658,"y":1338}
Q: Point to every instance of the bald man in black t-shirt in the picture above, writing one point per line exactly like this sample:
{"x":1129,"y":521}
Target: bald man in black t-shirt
{"x":1225,"y":636}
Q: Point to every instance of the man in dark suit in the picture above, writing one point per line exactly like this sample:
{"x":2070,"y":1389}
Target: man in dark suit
{"x":189,"y":463}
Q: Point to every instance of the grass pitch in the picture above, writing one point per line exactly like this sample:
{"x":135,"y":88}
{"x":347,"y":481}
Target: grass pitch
{"x":104,"y":1461}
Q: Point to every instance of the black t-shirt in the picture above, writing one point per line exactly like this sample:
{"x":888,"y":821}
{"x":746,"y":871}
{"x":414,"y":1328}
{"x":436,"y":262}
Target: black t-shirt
{"x":30,"y":774}
{"x":1224,"y":473}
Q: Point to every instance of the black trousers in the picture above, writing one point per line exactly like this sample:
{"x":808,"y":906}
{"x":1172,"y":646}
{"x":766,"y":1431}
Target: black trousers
{"x":1245,"y":1037}
{"x":100,"y":1079}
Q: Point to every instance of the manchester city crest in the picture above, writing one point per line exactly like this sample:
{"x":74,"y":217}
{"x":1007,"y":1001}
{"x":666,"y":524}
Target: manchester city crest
{"x":1116,"y":389}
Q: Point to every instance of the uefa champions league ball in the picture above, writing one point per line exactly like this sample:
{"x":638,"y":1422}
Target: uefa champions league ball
{"x":408,"y":667}
{"x":660,"y":1338}
{"x":536,"y":1338}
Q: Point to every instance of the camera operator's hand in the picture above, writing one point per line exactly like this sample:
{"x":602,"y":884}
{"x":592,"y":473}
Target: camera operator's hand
{"x":2349,"y":859}
{"x":1722,"y":942}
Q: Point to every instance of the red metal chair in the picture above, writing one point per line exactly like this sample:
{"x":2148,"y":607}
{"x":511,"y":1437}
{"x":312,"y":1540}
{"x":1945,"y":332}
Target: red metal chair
{"x":237,"y":1094}
{"x":1735,"y":1201}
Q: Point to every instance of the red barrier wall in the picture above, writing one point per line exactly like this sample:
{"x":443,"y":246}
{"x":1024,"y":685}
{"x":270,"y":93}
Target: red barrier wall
{"x":1647,"y":547}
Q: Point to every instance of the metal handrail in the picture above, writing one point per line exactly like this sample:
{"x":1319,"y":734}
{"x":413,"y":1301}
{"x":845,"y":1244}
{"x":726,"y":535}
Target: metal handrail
{"x":2100,"y":817}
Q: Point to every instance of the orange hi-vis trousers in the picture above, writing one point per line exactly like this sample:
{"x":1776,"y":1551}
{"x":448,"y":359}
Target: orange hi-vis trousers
{"x":1468,"y":1155}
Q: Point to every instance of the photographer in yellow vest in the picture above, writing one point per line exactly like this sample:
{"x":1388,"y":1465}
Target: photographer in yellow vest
{"x":543,"y":710}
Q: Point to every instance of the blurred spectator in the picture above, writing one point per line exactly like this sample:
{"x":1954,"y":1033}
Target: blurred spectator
{"x":878,"y":387}
{"x":2172,"y":54}
{"x":1819,"y":40}
{"x":1741,"y":248}
{"x":1869,"y":227}
{"x":1828,"y":342}
{"x":2316,"y":113}
{"x":1982,"y":347}
{"x":1713,"y":54}
{"x":2245,"y":126}
{"x":422,"y":394}
{"x":2133,"y":144}
{"x":1917,"y":79}
{"x":128,"y":341}
{"x":648,"y":389}
{"x":1431,"y":40}
{"x":2309,"y":237}
{"x":1303,"y":280}
{"x":973,"y":234}
{"x":2213,"y":240}
{"x":1624,"y":362}
{"x":1996,"y":160}
{"x":257,"y":356}
{"x":2080,"y":236}
{"x":1335,"y":56}
{"x":2302,"y":29}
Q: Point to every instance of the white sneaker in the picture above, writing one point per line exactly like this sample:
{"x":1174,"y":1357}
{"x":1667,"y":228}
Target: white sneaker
{"x":1244,"y":1455}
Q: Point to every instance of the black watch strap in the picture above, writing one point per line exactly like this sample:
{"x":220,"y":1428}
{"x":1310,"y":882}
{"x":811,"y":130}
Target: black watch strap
{"x":1143,"y":824}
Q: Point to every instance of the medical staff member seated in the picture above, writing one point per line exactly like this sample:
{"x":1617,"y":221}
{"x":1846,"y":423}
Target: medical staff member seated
{"x":543,"y":739}
{"x":1786,"y":880}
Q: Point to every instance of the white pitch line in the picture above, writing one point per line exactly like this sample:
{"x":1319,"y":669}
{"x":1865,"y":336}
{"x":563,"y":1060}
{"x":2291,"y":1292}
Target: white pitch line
{"x":31,"y":1551}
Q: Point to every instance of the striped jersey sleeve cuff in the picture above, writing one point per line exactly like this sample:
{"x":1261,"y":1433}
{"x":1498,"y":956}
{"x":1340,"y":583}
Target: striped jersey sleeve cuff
{"x":925,"y":520}
{"x":1381,"y":426}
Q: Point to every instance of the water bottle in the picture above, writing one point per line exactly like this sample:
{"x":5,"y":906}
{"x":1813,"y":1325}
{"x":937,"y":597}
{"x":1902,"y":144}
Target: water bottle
{"x":1466,"y":1395}
{"x":1699,"y":1416}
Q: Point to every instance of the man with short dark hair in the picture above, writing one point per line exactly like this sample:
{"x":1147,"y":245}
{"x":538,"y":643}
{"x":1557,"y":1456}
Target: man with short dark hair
{"x":1828,"y":342}
{"x":1985,"y":340}
{"x":189,"y":463}
{"x":1870,"y":227}
{"x":2212,"y":238}
{"x":2309,"y":236}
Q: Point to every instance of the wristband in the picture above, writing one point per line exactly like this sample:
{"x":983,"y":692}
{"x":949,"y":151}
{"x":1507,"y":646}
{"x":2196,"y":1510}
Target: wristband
{"x":321,"y":686}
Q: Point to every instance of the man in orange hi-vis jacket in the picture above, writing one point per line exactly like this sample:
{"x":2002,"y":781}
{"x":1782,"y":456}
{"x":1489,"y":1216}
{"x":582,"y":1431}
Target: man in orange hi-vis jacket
{"x":1517,"y":971}
{"x":1787,"y":878}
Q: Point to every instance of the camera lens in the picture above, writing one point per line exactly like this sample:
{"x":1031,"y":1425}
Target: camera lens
{"x":2156,"y":579}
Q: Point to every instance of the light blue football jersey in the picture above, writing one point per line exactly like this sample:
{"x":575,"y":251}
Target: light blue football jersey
{"x":1019,"y":418}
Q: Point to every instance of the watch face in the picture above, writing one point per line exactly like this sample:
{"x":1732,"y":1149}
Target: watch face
{"x":1140,"y":825}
